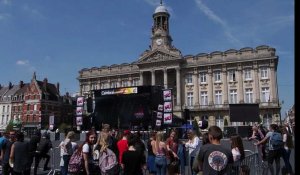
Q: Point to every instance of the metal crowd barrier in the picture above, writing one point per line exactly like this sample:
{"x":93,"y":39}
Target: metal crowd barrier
{"x":55,"y":161}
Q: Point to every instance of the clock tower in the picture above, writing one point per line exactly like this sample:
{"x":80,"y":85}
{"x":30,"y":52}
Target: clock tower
{"x":160,"y":30}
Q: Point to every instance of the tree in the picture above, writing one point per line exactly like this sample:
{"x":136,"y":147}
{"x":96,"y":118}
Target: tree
{"x":10,"y":126}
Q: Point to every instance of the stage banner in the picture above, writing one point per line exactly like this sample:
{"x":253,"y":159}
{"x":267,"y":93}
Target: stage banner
{"x":158,"y":123}
{"x":167,"y":106}
{"x":159,"y":115}
{"x":79,"y":111}
{"x":168,"y":118}
{"x":160,"y":107}
{"x":78,"y":121}
{"x":80,"y":101}
{"x":167,"y":95}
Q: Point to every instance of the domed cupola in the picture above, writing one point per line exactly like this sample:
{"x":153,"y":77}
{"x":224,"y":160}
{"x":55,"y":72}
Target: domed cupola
{"x":160,"y":28}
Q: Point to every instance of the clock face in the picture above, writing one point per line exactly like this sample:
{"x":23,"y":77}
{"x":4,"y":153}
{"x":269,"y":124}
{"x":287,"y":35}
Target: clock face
{"x":159,"y":41}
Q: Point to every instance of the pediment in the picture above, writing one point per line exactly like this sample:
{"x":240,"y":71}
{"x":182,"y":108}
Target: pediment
{"x":157,"y":56}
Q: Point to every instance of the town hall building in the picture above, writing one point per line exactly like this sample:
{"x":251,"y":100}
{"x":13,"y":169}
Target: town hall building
{"x":205,"y":83}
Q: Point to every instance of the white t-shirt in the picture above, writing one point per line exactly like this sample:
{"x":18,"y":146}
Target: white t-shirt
{"x":86,"y":149}
{"x":193,"y":146}
{"x":236,"y":154}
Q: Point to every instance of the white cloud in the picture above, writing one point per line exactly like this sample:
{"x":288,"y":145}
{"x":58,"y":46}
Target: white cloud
{"x":33,"y":12}
{"x":22,"y":62}
{"x":4,"y":16}
{"x":6,"y":2}
{"x":218,"y":20}
{"x":25,"y":63}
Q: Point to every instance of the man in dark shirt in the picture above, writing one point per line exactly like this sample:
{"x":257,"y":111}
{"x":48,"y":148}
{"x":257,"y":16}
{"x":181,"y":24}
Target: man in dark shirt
{"x":213,"y":157}
{"x":42,"y":152}
{"x":33,"y":143}
{"x":5,"y":153}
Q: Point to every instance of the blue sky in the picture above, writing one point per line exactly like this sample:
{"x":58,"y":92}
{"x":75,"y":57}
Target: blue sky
{"x":57,"y":38}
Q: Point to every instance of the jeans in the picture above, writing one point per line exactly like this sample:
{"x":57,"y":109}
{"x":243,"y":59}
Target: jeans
{"x":64,"y":169}
{"x":274,"y":155}
{"x":38,"y":158}
{"x":286,"y":158}
{"x":191,"y":165}
{"x":161,"y":165}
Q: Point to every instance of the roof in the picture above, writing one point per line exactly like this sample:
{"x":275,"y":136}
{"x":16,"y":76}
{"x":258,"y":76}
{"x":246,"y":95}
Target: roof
{"x":161,"y":9}
{"x":51,"y":90}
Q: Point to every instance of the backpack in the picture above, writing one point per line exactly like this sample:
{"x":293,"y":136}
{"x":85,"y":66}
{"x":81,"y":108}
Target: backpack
{"x":76,"y":162}
{"x":276,"y":141}
{"x":108,"y":162}
{"x":2,"y":141}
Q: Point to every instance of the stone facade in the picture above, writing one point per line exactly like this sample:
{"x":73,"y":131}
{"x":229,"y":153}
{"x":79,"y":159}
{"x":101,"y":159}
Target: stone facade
{"x":205,"y":83}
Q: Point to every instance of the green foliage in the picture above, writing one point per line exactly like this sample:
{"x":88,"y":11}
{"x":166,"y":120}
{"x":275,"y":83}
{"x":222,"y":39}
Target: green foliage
{"x":10,"y":126}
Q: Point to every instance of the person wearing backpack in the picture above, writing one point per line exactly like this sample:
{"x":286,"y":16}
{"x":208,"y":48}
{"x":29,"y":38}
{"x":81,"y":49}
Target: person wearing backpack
{"x":108,"y":163}
{"x":275,"y":147}
{"x":67,"y":147}
{"x":87,"y":150}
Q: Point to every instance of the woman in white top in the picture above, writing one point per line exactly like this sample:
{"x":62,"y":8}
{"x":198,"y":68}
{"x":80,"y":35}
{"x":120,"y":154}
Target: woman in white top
{"x":193,"y":146}
{"x":237,"y":148}
{"x":67,"y":147}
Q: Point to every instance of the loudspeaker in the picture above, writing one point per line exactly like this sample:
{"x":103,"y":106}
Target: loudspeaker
{"x":89,"y":105}
{"x":186,"y":114}
{"x":203,"y":124}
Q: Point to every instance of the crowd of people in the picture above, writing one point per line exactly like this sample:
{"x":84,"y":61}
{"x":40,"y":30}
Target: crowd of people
{"x":126,"y":153}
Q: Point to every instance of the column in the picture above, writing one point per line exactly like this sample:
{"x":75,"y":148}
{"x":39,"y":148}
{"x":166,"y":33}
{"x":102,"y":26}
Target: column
{"x":119,"y":82}
{"x":210,"y":87}
{"x":196,"y":86}
{"x":141,"y":78}
{"x":240,"y":84}
{"x":165,"y":78}
{"x":152,"y":77}
{"x":256,"y":83}
{"x":225,"y":84}
{"x":129,"y":81}
{"x":273,"y":86}
{"x":178,"y":86}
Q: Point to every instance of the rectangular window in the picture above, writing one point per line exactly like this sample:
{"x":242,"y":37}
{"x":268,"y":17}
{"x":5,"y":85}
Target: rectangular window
{"x":28,"y":107}
{"x":265,"y":94}
{"x":247,"y":74}
{"x":248,"y":96}
{"x":190,"y":99}
{"x":204,"y":98}
{"x":218,"y":97}
{"x":202,"y":77}
{"x":94,"y":86}
{"x":135,"y":82}
{"x":264,"y":72}
{"x":233,"y":96}
{"x":217,"y":76}
{"x":220,"y":121}
{"x":3,"y":108}
{"x":124,"y":83}
{"x":189,"y":79}
{"x":35,"y":107}
{"x":113,"y":84}
{"x":231,"y":74}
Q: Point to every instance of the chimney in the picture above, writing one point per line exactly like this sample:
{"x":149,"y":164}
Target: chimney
{"x":21,"y":84}
{"x":67,"y":94}
{"x":57,"y":87}
{"x":45,"y":82}
{"x":10,"y":85}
